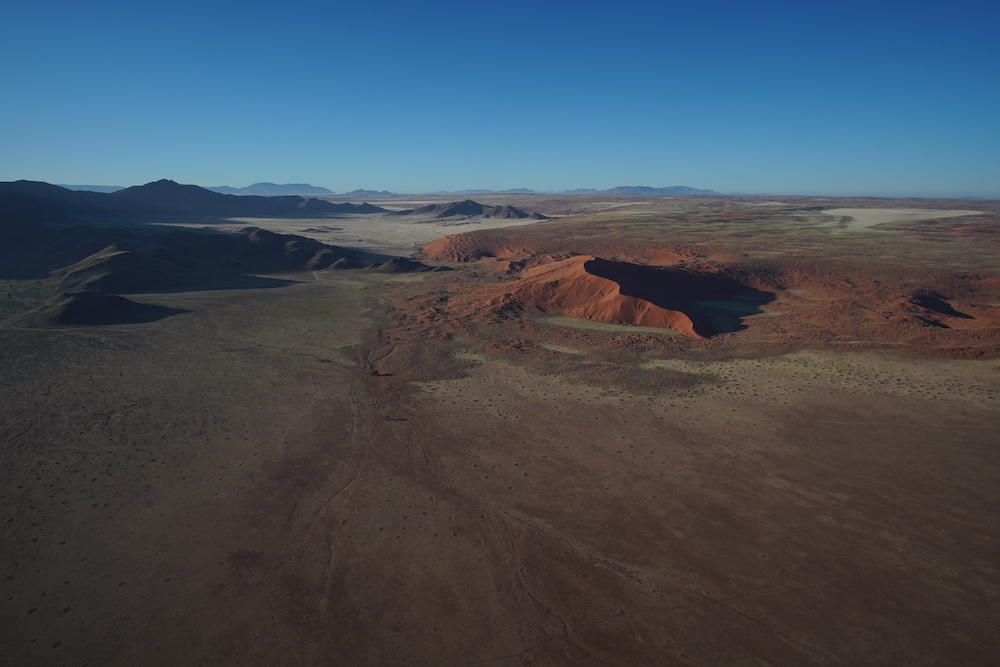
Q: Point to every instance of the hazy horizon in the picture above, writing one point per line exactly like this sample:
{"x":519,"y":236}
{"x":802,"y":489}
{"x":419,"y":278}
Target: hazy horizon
{"x":848,"y":100}
{"x":511,"y":190}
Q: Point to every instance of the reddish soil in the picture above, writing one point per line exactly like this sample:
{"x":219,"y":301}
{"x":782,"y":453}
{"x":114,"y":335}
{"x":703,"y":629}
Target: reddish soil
{"x":790,"y":459}
{"x":810,"y":301}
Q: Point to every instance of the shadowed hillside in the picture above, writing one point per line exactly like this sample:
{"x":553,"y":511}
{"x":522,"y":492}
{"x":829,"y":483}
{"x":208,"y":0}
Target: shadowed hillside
{"x":92,"y":308}
{"x":29,"y":201}
{"x":126,"y":261}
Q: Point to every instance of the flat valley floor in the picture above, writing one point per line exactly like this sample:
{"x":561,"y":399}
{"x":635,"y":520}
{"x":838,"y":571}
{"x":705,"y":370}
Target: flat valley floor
{"x":313,"y":475}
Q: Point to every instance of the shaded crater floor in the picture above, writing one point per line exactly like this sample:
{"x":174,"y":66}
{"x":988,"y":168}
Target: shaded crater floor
{"x":715,"y":303}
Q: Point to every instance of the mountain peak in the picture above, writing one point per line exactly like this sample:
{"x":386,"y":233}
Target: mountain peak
{"x":273,"y":190}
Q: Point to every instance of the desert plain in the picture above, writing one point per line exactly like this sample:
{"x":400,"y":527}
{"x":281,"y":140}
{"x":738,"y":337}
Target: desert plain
{"x":643,"y":431}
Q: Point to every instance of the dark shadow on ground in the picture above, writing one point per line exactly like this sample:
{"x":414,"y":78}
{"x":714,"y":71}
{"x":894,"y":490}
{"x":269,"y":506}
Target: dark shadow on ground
{"x":92,"y":308}
{"x":937,"y":304}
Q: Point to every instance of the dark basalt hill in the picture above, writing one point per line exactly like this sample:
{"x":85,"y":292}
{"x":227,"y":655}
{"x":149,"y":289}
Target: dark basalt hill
{"x":185,"y":259}
{"x":125,"y":261}
{"x":113,"y":270}
{"x":472,"y":209}
{"x":170,"y":198}
{"x":30,"y":251}
{"x":252,"y":250}
{"x":23,"y":201}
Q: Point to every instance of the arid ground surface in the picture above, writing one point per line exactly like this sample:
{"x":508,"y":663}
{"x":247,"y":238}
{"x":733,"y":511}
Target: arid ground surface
{"x":648,"y":431}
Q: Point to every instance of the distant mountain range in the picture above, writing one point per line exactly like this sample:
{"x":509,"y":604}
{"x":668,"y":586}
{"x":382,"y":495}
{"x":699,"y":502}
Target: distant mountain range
{"x":304,"y":189}
{"x":646,"y":190}
{"x":272,"y":190}
{"x":511,"y":191}
{"x":472,"y":209}
{"x":620,"y":190}
{"x":42,"y":202}
{"x":369,"y":193}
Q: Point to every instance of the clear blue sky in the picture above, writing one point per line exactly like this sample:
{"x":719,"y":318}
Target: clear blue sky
{"x":853,"y":98}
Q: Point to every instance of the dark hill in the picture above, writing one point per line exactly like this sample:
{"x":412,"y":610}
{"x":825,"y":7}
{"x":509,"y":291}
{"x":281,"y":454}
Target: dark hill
{"x":352,"y":208}
{"x":92,"y":308}
{"x":170,"y":198}
{"x":24,"y":201}
{"x":29,"y":201}
{"x":124,"y":261}
{"x":398,"y":265}
{"x":472,"y":209}
{"x":115,"y":271}
{"x":252,"y":250}
{"x":29,"y":251}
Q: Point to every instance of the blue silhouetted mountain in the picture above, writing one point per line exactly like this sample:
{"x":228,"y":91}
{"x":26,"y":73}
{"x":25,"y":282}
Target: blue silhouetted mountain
{"x":272,"y":189}
{"x":472,"y":209}
{"x":646,"y":190}
{"x":93,"y":188}
{"x":641,"y":190}
{"x":369,"y":193}
{"x":511,"y":191}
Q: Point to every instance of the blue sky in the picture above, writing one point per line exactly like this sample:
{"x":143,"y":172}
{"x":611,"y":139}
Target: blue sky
{"x":838,"y":98}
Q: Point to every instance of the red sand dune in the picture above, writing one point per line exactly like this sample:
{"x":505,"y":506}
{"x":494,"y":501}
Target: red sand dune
{"x":471,"y":247}
{"x":569,"y":287}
